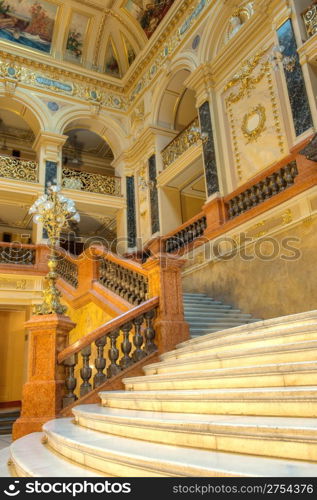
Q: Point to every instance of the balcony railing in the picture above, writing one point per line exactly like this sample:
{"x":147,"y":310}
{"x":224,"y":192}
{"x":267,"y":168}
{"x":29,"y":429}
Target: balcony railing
{"x":91,"y":183}
{"x":182,"y":142}
{"x":18,"y":169}
{"x":310,"y":20}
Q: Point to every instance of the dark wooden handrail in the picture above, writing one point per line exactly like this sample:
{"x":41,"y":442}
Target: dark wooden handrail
{"x":107,"y":328}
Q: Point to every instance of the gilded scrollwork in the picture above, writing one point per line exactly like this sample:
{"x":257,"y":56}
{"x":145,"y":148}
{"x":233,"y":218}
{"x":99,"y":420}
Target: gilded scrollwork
{"x":92,"y":183}
{"x":21,"y":170}
{"x":181,"y":143}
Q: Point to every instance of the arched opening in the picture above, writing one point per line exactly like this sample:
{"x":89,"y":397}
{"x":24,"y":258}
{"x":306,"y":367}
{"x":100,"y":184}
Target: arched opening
{"x":185,"y":189}
{"x":87,"y":166}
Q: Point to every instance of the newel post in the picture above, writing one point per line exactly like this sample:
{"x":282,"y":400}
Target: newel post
{"x":165,"y":281}
{"x":43,"y":391}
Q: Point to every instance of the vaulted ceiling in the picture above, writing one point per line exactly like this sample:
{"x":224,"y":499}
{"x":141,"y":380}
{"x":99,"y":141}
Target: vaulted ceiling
{"x":102,"y":35}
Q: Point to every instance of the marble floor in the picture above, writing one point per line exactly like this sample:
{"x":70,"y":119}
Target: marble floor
{"x":5,"y":441}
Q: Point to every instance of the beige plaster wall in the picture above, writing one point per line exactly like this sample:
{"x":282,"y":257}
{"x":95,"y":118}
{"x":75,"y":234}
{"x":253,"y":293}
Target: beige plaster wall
{"x":265,"y":289}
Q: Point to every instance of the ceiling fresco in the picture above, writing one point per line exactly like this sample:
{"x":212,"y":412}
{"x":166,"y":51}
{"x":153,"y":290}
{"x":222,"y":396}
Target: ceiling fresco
{"x":106,"y":38}
{"x":148,"y":14}
{"x":28,"y":22}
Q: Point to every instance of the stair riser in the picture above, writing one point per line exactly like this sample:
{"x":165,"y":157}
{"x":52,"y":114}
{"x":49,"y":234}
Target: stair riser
{"x":258,"y":380}
{"x":254,"y":329}
{"x":225,"y":345}
{"x":247,"y":360}
{"x":217,"y":438}
{"x":259,"y":407}
{"x":113,"y":466}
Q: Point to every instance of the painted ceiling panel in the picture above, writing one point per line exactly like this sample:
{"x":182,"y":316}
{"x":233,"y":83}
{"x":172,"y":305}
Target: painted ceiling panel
{"x":103,"y":35}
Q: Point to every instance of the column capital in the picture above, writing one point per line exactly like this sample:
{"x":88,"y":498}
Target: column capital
{"x":202,"y":82}
{"x":50,"y":141}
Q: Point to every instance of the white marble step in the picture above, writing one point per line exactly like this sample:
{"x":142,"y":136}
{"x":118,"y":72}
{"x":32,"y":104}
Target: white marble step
{"x":249,"y":340}
{"x":271,"y":375}
{"x":265,"y":436}
{"x":5,"y":470}
{"x":265,"y":401}
{"x":305,"y":321}
{"x":283,"y":353}
{"x":132,"y":458}
{"x":31,"y":458}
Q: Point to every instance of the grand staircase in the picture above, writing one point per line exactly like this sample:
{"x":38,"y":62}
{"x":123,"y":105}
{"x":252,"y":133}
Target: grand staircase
{"x":206,"y":315}
{"x":238,"y":402}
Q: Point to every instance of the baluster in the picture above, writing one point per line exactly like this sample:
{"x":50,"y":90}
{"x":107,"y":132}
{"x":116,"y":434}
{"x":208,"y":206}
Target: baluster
{"x":280,"y":180}
{"x":100,"y":362}
{"x":70,"y":380}
{"x":231,"y":209}
{"x":253,"y":196}
{"x":288,"y":176}
{"x":138,"y":340}
{"x":85,"y":371}
{"x":273,"y":184}
{"x":126,"y":346}
{"x":149,"y":333}
{"x":133,"y":289}
{"x":113,"y":354}
{"x":247,"y":200}
{"x":241,"y":203}
{"x":260,"y":192}
{"x":294,"y":169}
{"x":266,"y":189}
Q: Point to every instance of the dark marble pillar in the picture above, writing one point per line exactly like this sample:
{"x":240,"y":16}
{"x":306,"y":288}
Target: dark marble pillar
{"x":131,"y":216}
{"x":295,"y":80}
{"x":155,"y":216}
{"x":210,"y":162}
{"x":50,"y":172}
{"x":50,"y":178}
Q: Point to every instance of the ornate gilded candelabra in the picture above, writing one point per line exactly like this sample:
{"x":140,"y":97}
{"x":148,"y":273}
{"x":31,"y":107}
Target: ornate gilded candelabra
{"x":54,"y":211}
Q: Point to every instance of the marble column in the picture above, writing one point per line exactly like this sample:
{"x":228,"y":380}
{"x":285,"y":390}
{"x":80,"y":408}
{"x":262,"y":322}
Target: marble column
{"x":155,"y":216}
{"x":295,"y":82}
{"x":48,"y":147}
{"x":210,"y":161}
{"x":131,"y":213}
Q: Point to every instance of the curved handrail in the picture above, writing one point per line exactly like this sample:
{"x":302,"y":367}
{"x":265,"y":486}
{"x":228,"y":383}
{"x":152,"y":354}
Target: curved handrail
{"x":107,"y":328}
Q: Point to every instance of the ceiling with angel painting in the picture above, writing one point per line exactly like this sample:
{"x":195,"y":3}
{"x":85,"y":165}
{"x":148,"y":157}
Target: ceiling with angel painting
{"x":101,"y":35}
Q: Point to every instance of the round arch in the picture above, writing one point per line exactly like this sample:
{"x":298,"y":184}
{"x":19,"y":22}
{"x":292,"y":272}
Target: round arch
{"x":213,"y":35}
{"x":106,"y":128}
{"x":171,"y":89}
{"x":30,"y":109}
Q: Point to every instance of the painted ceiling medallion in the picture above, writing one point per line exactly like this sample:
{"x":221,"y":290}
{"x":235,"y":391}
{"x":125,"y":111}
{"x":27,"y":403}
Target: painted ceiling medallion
{"x":253,"y":123}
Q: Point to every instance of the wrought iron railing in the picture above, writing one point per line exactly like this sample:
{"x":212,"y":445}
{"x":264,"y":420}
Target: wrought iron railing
{"x":263,"y":190}
{"x":92,"y":183}
{"x":18,"y":169}
{"x":68,"y":271}
{"x":181,"y":143}
{"x":128,"y":284}
{"x":310,"y":20}
{"x":17,"y":254}
{"x":186,"y":235}
{"x":138,"y":331}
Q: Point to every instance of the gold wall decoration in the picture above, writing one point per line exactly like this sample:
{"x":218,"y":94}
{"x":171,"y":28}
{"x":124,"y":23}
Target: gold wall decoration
{"x":310,"y":20}
{"x":287,"y":217}
{"x":252,"y":83}
{"x":253,"y":123}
